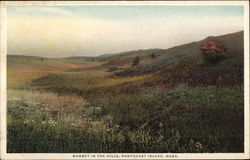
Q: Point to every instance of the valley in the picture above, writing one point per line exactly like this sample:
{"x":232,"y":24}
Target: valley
{"x":168,"y":101}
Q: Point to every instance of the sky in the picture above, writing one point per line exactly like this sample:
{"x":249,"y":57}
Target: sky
{"x":65,"y":31}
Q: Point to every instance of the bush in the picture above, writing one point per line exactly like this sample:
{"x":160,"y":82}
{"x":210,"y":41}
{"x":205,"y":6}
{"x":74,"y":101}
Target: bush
{"x":136,"y":61}
{"x":213,"y":52}
{"x":112,"y":69}
{"x":152,"y":56}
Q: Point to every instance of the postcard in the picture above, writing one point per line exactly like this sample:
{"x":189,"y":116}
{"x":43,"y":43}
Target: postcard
{"x":124,"y":80}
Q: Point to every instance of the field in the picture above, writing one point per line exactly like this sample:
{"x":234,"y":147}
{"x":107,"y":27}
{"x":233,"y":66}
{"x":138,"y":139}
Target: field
{"x":173,"y":101}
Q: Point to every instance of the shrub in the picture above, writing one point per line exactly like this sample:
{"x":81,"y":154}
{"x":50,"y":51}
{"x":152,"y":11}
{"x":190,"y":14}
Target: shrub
{"x":136,"y":61}
{"x":152,"y":56}
{"x":112,"y":69}
{"x":213,"y":51}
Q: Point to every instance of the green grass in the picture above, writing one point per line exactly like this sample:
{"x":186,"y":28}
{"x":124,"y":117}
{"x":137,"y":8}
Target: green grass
{"x":213,"y":118}
{"x":66,"y":139}
{"x":206,"y":114}
{"x":71,"y":111}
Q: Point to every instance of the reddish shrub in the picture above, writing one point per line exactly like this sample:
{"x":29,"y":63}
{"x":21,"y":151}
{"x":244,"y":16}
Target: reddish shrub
{"x":213,"y":51}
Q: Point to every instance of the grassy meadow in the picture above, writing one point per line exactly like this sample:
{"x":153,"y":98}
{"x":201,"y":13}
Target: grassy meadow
{"x":173,"y":102}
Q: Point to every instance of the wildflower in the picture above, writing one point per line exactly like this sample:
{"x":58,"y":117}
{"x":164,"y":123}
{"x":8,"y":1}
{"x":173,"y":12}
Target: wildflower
{"x":198,"y":145}
{"x":73,"y":124}
{"x":89,"y":119}
{"x":14,"y":99}
{"x":98,"y":108}
{"x":82,"y":124}
{"x":26,"y":121}
{"x":191,"y":141}
{"x":161,"y":125}
{"x":144,"y":125}
{"x":108,"y":118}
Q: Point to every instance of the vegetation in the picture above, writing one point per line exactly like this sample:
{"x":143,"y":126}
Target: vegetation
{"x":213,"y":51}
{"x":73,"y":105}
{"x":152,"y":55}
{"x":136,"y":61}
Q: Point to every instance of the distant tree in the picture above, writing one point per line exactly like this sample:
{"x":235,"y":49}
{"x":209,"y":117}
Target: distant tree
{"x":213,"y":52}
{"x":152,"y":55}
{"x":42,"y":59}
{"x":92,"y":60}
{"x":136,"y":61}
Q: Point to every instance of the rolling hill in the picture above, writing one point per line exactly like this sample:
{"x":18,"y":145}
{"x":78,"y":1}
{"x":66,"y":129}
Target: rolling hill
{"x":171,"y":102}
{"x":191,"y":51}
{"x":163,"y":57}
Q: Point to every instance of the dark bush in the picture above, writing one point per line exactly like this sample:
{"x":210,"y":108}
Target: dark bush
{"x":152,"y":56}
{"x":136,"y":61}
{"x":112,"y":69}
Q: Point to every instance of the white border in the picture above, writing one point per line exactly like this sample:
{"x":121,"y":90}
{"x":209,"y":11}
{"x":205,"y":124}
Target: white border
{"x":246,"y":79}
{"x":3,"y":44}
{"x":3,"y":49}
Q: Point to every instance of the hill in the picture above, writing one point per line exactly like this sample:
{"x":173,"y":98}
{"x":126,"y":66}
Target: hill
{"x":190,"y":51}
{"x":162,"y":57}
{"x":136,"y":52}
{"x":171,"y":102}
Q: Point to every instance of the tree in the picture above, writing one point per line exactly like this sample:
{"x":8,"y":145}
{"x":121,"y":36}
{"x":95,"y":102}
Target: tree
{"x":136,"y":61}
{"x":213,"y":52}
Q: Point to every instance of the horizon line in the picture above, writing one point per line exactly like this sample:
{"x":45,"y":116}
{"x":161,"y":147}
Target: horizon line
{"x":117,"y":53}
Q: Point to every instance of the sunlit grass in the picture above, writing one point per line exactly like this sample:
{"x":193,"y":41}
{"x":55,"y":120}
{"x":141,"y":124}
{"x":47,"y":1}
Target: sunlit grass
{"x":21,"y":78}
